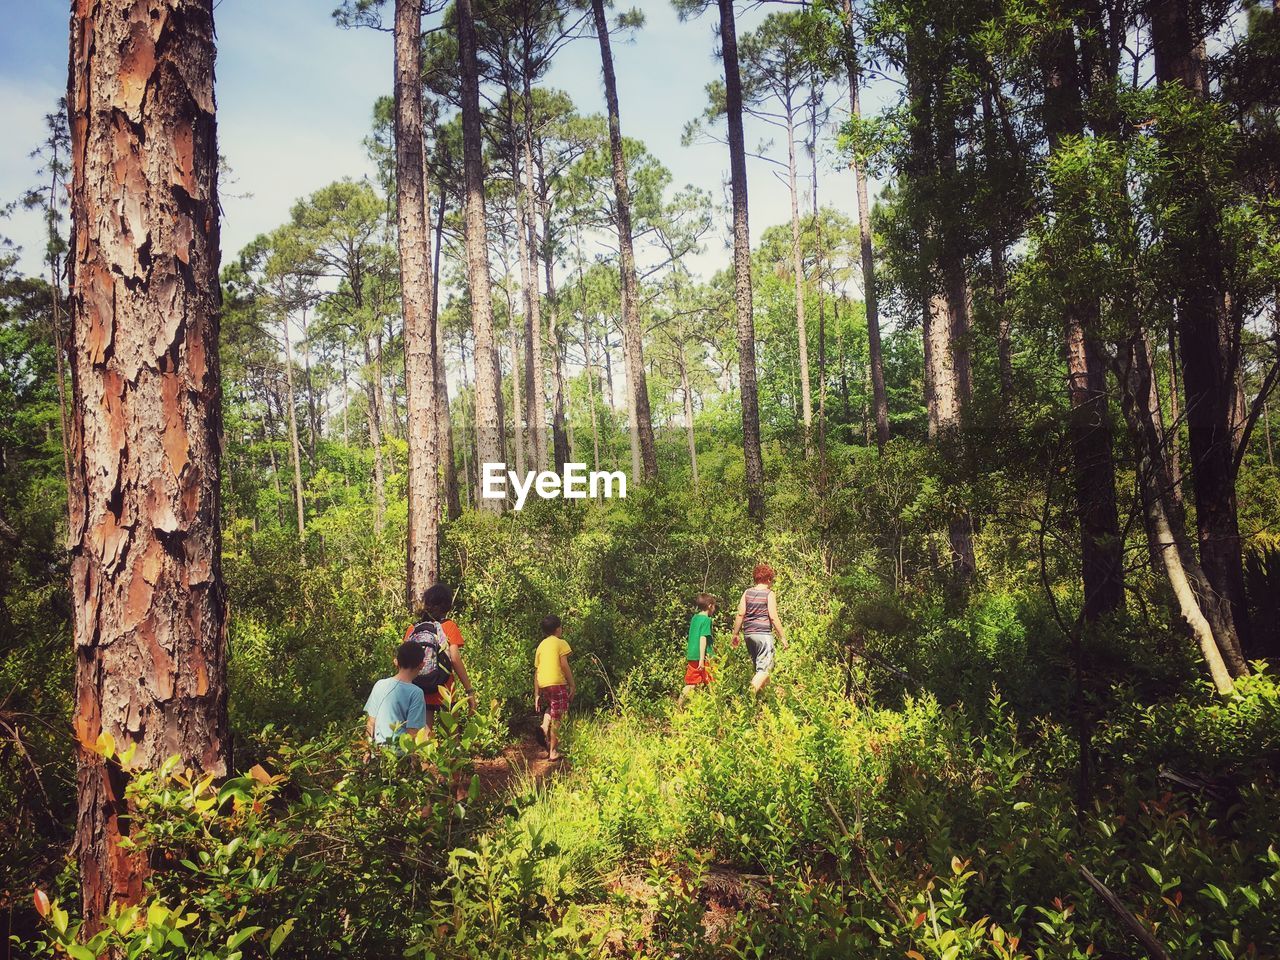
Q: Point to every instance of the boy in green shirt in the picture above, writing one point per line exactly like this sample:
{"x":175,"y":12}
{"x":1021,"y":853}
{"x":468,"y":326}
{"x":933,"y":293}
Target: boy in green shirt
{"x":697,"y":671}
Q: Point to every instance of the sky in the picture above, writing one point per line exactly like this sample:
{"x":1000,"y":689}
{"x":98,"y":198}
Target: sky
{"x":295,"y":96}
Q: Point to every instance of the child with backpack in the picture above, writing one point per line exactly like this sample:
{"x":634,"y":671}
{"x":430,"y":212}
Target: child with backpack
{"x":553,"y":683}
{"x":697,"y":671}
{"x":442,"y":642}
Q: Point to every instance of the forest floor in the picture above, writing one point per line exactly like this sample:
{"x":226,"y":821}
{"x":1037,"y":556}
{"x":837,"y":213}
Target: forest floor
{"x":520,"y":761}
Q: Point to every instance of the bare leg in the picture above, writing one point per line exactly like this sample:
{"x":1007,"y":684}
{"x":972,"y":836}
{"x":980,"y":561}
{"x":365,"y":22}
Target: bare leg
{"x":546,"y":732}
{"x":553,"y":738}
{"x":759,"y":680}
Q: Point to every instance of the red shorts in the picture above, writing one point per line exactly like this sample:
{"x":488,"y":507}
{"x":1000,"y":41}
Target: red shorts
{"x":695,"y":676}
{"x":555,"y":700}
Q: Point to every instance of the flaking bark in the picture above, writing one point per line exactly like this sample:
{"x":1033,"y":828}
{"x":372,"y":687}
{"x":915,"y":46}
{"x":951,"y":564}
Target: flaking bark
{"x":148,"y":607}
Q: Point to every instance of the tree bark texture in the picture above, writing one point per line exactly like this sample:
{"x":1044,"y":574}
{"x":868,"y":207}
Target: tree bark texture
{"x":642,"y":422}
{"x":422,"y":559}
{"x":535,"y":392}
{"x":1101,"y":546}
{"x":444,"y":422}
{"x":488,"y":427}
{"x":560,"y":440}
{"x":742,"y":265}
{"x":880,"y":396}
{"x":148,"y":605}
{"x":1208,"y":335}
{"x":797,"y":267}
{"x":1166,"y":524}
{"x":294,"y":446}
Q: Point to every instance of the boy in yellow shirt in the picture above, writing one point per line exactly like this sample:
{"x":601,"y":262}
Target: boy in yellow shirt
{"x":552,"y":682}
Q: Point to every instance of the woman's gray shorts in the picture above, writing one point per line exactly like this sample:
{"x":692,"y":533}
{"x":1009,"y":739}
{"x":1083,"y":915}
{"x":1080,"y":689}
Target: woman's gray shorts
{"x":760,"y":647}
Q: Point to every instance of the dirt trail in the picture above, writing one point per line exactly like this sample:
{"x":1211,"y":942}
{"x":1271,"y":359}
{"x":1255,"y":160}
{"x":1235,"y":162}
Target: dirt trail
{"x":523,"y":760}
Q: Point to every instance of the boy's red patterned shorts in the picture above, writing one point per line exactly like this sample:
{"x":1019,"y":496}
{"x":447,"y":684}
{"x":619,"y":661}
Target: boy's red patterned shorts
{"x":555,"y":700}
{"x":695,"y":676}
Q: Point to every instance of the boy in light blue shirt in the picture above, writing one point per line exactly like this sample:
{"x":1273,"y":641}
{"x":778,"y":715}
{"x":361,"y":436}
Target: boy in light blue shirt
{"x":396,"y":705}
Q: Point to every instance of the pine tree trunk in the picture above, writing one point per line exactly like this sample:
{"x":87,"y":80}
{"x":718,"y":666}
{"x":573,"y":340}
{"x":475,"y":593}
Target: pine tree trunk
{"x":488,"y":425}
{"x":1175,"y":413}
{"x":375,"y":440}
{"x":444,"y":420}
{"x":294,"y":446}
{"x":642,"y":421}
{"x":149,"y":609}
{"x":999,"y":273}
{"x":608,"y":392}
{"x":560,"y":441}
{"x":534,"y":384}
{"x":313,"y":413}
{"x":1101,"y":546}
{"x":633,"y":433}
{"x":742,"y":265}
{"x":422,"y":555}
{"x":1209,"y":336}
{"x":869,"y":288}
{"x":822,"y":303}
{"x":687,"y":391}
{"x":518,"y":439}
{"x":1166,"y":525}
{"x":797,"y":268}
{"x":590,"y":376}
{"x":523,"y":367}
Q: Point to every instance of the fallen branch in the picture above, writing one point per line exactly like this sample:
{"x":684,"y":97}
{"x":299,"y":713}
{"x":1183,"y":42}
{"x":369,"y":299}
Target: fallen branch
{"x":1136,"y":926}
{"x":866,"y":864}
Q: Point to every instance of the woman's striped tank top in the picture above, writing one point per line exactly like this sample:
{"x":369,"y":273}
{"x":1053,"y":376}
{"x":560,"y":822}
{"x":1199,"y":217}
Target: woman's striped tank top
{"x":757,"y":618}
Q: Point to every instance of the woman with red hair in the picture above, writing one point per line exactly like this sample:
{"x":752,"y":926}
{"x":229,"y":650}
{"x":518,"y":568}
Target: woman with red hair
{"x":758,"y":619}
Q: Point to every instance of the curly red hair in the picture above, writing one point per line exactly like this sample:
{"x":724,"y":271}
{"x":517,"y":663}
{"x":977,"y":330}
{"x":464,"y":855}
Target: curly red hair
{"x":763,"y":573}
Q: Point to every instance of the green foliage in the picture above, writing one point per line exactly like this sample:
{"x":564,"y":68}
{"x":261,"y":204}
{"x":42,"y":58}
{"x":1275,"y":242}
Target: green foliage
{"x":807,"y":827}
{"x":332,"y":853}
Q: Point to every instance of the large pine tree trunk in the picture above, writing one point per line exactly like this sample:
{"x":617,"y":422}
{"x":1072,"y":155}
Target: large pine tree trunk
{"x":534,"y":385}
{"x":645,"y":458}
{"x":869,"y":291}
{"x":1101,"y":546}
{"x":948,"y":375}
{"x":742,"y":264}
{"x":422,"y":560}
{"x":148,"y":607}
{"x":488,"y":425}
{"x":1209,"y":337}
{"x":444,"y":421}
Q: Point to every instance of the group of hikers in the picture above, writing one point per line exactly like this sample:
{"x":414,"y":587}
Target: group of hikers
{"x":429,"y":662}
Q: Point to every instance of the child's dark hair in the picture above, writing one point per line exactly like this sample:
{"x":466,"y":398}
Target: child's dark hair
{"x":704,"y":601}
{"x":409,"y":655}
{"x":437,"y":601}
{"x":550,"y":624}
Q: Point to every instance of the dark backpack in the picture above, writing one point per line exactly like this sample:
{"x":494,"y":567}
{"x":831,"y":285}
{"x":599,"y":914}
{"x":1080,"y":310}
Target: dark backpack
{"x":436,"y":668}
